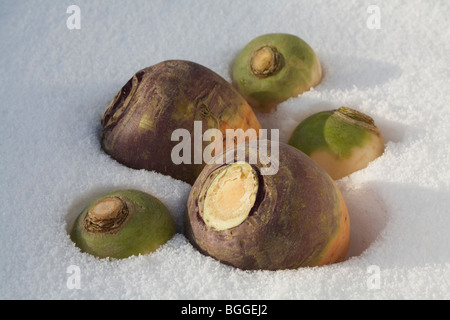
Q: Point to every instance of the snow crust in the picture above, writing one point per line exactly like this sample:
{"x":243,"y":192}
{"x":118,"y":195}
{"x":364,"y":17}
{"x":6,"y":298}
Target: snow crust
{"x":56,"y":84}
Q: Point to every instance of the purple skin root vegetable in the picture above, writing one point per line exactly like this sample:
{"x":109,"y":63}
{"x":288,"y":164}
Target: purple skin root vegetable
{"x":138,"y":124}
{"x":294,"y":218}
{"x":123,"y":223}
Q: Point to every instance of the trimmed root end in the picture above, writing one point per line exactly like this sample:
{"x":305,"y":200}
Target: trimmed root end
{"x":230,"y":197}
{"x":265,"y":61}
{"x":107,"y":215}
{"x":121,"y":101}
{"x":356,"y":118}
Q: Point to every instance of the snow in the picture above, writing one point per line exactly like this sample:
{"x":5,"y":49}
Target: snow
{"x":56,"y":84}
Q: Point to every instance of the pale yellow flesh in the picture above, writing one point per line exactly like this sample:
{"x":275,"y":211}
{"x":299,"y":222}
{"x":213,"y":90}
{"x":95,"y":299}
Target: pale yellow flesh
{"x":263,"y":60}
{"x":230,"y":197}
{"x":106,"y":209}
{"x":338,"y":168}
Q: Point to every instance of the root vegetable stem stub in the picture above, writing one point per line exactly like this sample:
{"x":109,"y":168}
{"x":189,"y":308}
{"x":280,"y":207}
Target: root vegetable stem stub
{"x":265,"y":61}
{"x":107,"y":215}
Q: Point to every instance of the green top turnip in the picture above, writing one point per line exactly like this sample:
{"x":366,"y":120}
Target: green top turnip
{"x":275,"y":67}
{"x":342,"y":141}
{"x":123,"y":223}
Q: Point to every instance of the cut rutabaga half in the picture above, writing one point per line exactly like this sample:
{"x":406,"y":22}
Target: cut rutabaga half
{"x":231,"y":196}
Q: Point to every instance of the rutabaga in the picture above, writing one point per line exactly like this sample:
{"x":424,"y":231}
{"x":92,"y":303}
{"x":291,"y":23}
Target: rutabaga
{"x":341,"y":141}
{"x":123,"y":223}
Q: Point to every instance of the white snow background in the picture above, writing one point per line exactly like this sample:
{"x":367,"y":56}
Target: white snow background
{"x":56,"y":84}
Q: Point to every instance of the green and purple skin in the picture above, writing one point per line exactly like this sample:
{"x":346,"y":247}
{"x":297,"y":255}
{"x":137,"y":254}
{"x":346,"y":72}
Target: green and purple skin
{"x":342,"y":141}
{"x":299,"y":218}
{"x":275,"y":67}
{"x":141,"y":226}
{"x":138,"y":124}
